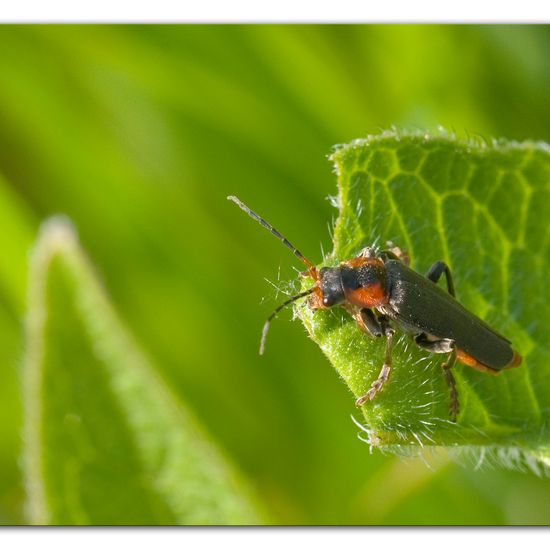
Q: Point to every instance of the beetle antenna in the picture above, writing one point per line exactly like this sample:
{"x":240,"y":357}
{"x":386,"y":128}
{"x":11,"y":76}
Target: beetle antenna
{"x":272,"y":316}
{"x":312,"y":269}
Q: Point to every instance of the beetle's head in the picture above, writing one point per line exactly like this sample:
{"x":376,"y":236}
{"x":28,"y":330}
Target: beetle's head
{"x":330,"y":291}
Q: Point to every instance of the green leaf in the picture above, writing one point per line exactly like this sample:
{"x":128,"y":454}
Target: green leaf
{"x":483,"y":209}
{"x":106,"y":442}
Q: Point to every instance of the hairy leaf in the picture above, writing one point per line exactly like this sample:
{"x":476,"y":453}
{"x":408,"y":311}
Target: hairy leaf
{"x":483,"y":209}
{"x":105,"y":440}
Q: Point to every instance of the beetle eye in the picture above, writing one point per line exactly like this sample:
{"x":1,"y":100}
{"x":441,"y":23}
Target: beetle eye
{"x":326,"y":301}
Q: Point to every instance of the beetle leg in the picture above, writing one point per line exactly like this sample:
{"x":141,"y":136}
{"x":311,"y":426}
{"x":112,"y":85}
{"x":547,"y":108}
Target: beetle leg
{"x":451,"y":383}
{"x":435,"y":272}
{"x":396,"y":253}
{"x":445,"y":345}
{"x":367,"y":252}
{"x":367,"y":321}
{"x":384,"y":375}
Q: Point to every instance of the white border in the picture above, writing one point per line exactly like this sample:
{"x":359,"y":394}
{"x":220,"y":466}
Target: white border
{"x":273,"y":538}
{"x":277,"y":11}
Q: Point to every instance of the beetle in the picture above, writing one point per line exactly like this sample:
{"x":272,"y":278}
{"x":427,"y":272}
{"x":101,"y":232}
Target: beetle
{"x":380,"y":291}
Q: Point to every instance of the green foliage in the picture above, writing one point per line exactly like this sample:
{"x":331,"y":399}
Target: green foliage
{"x":484,"y":210}
{"x":105,"y":440}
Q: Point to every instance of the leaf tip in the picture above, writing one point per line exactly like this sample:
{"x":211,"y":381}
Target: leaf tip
{"x":56,"y":233}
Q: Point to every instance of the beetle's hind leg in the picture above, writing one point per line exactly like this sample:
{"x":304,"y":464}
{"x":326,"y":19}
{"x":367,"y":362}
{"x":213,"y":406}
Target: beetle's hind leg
{"x":444,"y":345}
{"x":454,"y":406}
{"x":383,"y":377}
{"x":435,"y":272}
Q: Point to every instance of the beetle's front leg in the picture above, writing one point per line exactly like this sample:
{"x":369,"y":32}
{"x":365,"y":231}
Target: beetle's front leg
{"x":384,"y":375}
{"x":366,"y":320}
{"x":396,"y":253}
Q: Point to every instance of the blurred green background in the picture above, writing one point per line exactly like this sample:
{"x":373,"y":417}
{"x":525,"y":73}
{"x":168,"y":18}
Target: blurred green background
{"x":138,"y":133}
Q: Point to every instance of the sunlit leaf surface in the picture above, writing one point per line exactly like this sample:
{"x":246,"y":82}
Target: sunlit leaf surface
{"x":484,"y":210}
